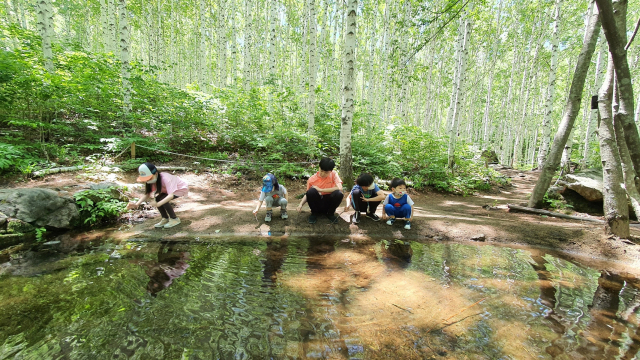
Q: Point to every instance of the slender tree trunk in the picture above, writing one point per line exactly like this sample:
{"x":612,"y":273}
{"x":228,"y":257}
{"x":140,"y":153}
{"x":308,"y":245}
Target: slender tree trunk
{"x":616,"y":211}
{"x":124,"y":55}
{"x":593,"y":113}
{"x":202,"y":76}
{"x":572,"y":108}
{"x":248,"y":43}
{"x":616,"y":38}
{"x":45,"y":26}
{"x":453,"y":133}
{"x":346,"y":169}
{"x":546,"y":122}
{"x":111,"y":31}
{"x":311,"y":109}
{"x":222,"y":44}
{"x":627,"y":166}
{"x":272,"y":40}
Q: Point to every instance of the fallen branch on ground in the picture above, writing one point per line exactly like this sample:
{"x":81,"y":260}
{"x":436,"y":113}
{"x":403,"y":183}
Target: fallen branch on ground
{"x":56,"y":170}
{"x":550,"y":213}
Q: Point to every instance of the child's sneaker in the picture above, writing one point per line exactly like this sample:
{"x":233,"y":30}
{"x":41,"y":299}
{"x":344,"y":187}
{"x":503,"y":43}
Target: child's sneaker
{"x":373,"y":216}
{"x":267,"y":218}
{"x":172,"y":223}
{"x":283,"y":214}
{"x":356,"y":217}
{"x":162,"y":223}
{"x":391,"y":221}
{"x":407,"y":225}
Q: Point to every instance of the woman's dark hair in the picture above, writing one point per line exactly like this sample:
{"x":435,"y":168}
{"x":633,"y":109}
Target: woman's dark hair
{"x":397,"y":182}
{"x":147,"y":187}
{"x":326,"y":164}
{"x":364,"y":179}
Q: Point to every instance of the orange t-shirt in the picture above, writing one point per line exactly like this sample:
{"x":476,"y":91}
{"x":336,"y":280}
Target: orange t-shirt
{"x":328,"y":182}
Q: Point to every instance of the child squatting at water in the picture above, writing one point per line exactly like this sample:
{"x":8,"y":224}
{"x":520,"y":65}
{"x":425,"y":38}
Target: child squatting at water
{"x":273,"y":194}
{"x":364,"y":197}
{"x":398,"y":205}
{"x":166,"y":187}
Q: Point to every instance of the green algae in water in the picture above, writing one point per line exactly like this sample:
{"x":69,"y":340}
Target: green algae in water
{"x":312,"y":298}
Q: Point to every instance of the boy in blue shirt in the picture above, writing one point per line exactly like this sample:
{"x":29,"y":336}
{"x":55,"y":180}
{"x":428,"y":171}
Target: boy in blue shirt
{"x":364,"y":197}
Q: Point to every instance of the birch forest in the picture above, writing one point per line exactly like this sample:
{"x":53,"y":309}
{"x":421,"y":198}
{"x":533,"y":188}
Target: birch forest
{"x":427,"y":90}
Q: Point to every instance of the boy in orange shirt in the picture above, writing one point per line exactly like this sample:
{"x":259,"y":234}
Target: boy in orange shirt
{"x":324,"y":193}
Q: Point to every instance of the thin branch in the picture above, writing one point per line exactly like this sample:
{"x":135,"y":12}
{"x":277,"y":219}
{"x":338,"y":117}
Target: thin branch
{"x":633,"y":36}
{"x":434,"y":35}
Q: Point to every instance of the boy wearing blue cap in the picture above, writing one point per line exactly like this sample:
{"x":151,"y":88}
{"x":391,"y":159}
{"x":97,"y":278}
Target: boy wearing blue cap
{"x":273,"y":194}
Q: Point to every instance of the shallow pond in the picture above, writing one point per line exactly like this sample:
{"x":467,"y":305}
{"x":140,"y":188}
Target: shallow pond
{"x":301,"y":298}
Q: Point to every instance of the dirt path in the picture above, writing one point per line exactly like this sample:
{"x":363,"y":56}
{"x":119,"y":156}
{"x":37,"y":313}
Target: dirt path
{"x":220,"y":206}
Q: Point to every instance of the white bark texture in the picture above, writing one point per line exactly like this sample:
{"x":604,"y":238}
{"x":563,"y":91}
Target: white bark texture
{"x":222,"y":44}
{"x":248,"y":43}
{"x":111,"y":26}
{"x":346,"y":169}
{"x":45,"y":26}
{"x":125,"y":55}
{"x":593,"y":113}
{"x":311,"y":109}
{"x":551,"y":89}
{"x":460,"y":88}
{"x":202,"y":68}
{"x":616,"y":211}
{"x":616,"y":38}
{"x":571,"y":111}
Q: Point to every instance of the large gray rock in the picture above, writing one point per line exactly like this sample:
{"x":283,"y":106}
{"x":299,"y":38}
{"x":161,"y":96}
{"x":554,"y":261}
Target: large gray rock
{"x":587,"y":183}
{"x":39,"y":207}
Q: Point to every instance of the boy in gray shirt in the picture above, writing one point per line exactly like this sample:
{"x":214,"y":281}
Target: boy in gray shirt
{"x":273,"y":194}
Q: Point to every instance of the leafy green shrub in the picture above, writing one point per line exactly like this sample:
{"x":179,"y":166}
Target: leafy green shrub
{"x":98,"y":206}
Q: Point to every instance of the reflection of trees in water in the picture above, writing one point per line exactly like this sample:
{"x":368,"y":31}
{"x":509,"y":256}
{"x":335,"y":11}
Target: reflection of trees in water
{"x":275,"y":255}
{"x":602,"y":329}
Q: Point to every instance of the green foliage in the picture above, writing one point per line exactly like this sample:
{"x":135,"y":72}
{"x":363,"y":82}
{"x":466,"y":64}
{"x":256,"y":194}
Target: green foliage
{"x":552,"y":203}
{"x":40,"y":234}
{"x":98,"y":206}
{"x":75,"y":114}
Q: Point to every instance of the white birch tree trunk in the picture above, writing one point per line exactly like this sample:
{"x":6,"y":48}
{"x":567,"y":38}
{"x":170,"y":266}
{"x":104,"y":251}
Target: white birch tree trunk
{"x":272,"y":39}
{"x":202,"y":68}
{"x":453,"y":132}
{"x":571,"y":110}
{"x":593,"y":113}
{"x":111,"y":30}
{"x":248,"y":43}
{"x":124,"y":55}
{"x":346,"y":169}
{"x":222,"y":44}
{"x":45,"y":26}
{"x":616,"y":211}
{"x":104,"y":23}
{"x":311,"y":109}
{"x":551,"y":89}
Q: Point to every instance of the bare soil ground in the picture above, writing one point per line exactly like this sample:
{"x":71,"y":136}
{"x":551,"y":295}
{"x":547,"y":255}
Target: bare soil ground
{"x":221,"y":206}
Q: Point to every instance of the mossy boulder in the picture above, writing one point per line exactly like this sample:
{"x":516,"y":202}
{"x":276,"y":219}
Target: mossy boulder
{"x":15,"y":226}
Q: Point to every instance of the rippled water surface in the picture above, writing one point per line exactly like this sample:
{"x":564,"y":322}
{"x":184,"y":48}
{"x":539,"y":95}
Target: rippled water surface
{"x":312,"y":298}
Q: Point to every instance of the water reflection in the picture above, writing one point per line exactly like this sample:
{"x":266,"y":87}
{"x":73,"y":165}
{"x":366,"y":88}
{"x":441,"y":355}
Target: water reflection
{"x":315,"y":298}
{"x":171,"y":264}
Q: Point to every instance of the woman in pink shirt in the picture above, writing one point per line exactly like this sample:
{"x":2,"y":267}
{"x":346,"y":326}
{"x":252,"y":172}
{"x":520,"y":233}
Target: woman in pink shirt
{"x":166,"y":187}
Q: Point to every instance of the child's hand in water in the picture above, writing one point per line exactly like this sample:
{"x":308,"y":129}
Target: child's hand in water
{"x":131,"y":206}
{"x":346,"y":208}
{"x":255,"y":211}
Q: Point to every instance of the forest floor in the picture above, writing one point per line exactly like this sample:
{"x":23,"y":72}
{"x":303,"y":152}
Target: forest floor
{"x":221,"y":206}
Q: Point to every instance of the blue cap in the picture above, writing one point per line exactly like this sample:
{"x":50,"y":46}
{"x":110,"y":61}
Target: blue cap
{"x":267,"y":184}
